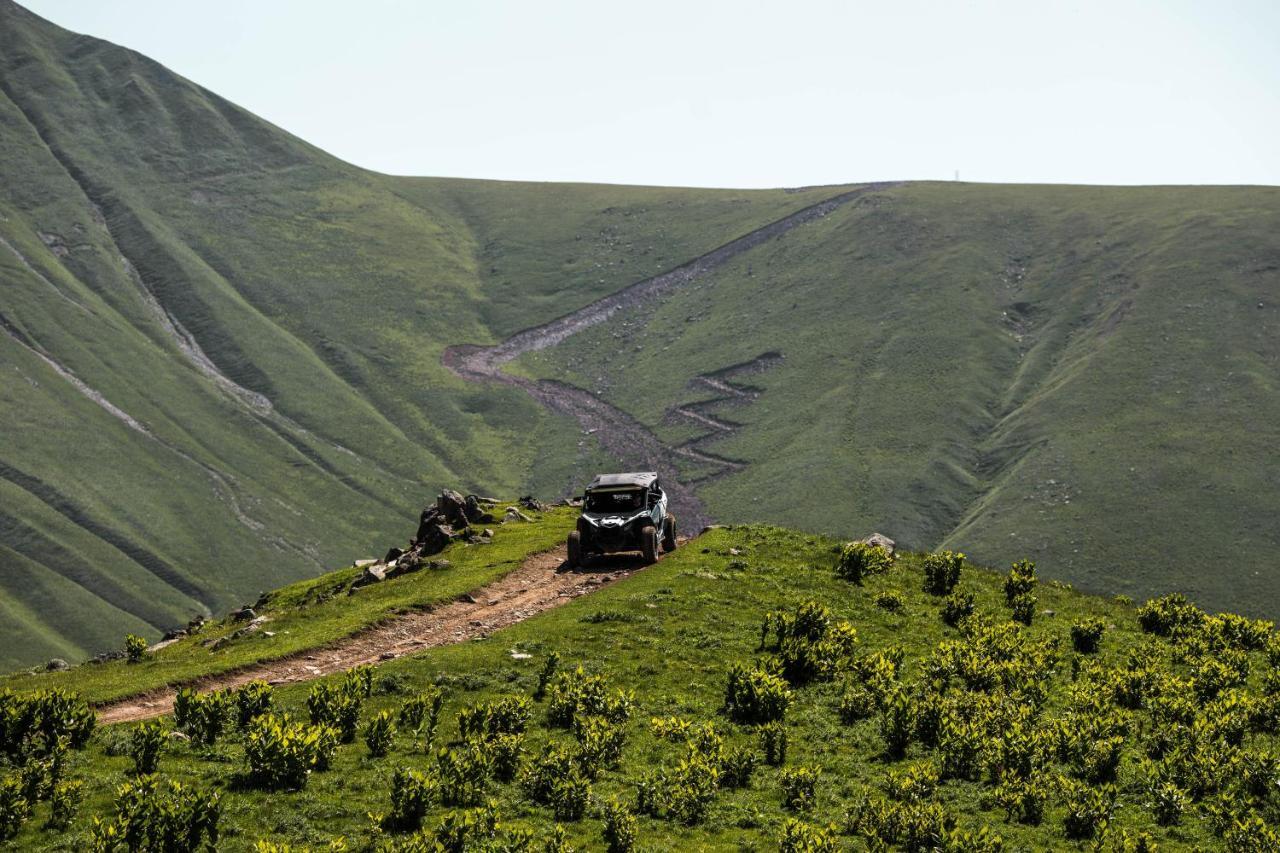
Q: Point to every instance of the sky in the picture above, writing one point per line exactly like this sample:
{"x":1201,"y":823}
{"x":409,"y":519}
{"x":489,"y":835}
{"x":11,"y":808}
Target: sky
{"x":740,"y":94}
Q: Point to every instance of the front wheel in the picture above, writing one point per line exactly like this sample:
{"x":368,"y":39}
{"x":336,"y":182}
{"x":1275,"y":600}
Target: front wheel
{"x":669,"y":533}
{"x":649,"y":543}
{"x":575,"y":550}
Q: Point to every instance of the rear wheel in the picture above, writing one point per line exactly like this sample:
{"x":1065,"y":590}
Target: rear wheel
{"x":669,"y":533}
{"x":649,"y":543}
{"x":575,"y":550}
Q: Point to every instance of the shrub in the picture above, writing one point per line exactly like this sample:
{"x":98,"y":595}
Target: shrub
{"x":773,"y":743}
{"x":620,"y":827}
{"x":1023,"y":799}
{"x":509,"y":715}
{"x":1169,"y":615}
{"x":960,"y":746}
{"x":135,"y":648}
{"x":1087,"y":634}
{"x":1099,"y":760}
{"x":800,"y":837}
{"x":600,"y":744}
{"x":15,"y":808}
{"x":1020,"y":580}
{"x":146,"y":741}
{"x":1024,"y":608}
{"x":411,"y":796}
{"x":421,"y":713}
{"x":576,"y":694}
{"x":912,"y":784}
{"x":896,"y":724}
{"x":810,"y":646}
{"x":551,"y":765}
{"x":338,"y":706}
{"x":737,"y":767}
{"x":1088,"y":808}
{"x":859,"y":560}
{"x":174,"y":818}
{"x":1250,"y":835}
{"x":890,"y":601}
{"x":690,"y":788}
{"x":545,"y":674}
{"x":942,"y":572}
{"x":359,"y":680}
{"x":799,"y":787}
{"x":957,"y":607}
{"x":203,"y":715}
{"x":506,"y":751}
{"x":31,"y":723}
{"x":281,"y":754}
{"x":755,"y":696}
{"x":1167,"y":802}
{"x":64,"y":802}
{"x":252,"y":701}
{"x":569,"y":797}
{"x":856,"y":703}
{"x":379,"y":733}
{"x":463,"y":774}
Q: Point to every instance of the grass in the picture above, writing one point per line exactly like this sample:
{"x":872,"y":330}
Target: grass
{"x":670,"y":634}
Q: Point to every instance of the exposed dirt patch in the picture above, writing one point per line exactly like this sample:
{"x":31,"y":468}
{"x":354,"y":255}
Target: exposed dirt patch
{"x":541,"y":583}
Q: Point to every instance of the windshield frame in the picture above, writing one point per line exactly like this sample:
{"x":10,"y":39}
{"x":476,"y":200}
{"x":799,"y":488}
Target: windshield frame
{"x":608,"y":502}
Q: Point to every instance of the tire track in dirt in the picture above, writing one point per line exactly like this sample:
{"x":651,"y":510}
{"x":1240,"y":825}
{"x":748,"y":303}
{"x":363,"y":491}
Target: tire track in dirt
{"x":631,"y":442}
{"x":542,"y":582}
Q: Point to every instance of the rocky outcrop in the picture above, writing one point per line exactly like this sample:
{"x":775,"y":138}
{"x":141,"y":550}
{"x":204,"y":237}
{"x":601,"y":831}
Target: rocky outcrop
{"x":449,"y":519}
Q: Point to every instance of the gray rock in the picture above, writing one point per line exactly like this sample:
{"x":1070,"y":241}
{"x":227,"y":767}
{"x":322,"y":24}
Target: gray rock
{"x":57,"y":665}
{"x":879,"y":539}
{"x":244,"y":614}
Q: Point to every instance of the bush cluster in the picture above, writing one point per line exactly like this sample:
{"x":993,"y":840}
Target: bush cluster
{"x":859,"y":560}
{"x":574,"y":694}
{"x":159,"y":818}
{"x":31,"y":723}
{"x":281,"y":753}
{"x":755,"y":695}
{"x":942,"y":572}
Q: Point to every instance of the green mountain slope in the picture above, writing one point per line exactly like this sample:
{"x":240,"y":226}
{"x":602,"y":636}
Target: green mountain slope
{"x":221,"y":346}
{"x":1096,"y":719}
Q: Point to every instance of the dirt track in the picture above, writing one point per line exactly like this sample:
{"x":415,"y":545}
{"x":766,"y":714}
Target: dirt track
{"x":541,"y":583}
{"x":622,"y":436}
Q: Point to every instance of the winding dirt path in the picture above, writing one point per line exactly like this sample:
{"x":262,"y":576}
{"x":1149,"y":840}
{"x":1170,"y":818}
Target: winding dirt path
{"x":629,"y":441}
{"x":540,"y":583}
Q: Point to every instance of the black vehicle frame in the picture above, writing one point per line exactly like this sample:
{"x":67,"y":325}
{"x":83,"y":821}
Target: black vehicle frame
{"x":623,"y":512}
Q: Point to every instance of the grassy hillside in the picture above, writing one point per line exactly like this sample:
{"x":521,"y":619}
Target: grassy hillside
{"x":989,"y":728}
{"x":1083,"y":375}
{"x":222,"y":346}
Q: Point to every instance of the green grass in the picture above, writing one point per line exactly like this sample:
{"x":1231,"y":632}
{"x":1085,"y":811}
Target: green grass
{"x":670,"y":634}
{"x":311,"y":614}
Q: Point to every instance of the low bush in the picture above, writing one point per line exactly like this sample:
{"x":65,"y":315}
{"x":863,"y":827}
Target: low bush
{"x":1167,"y":802}
{"x":1023,"y":800}
{"x":755,"y":696}
{"x":773,"y":744}
{"x":1020,"y":580}
{"x":1087,"y":634}
{"x":600,"y":745}
{"x":570,"y":796}
{"x":412,"y":794}
{"x":281,"y":753}
{"x":507,"y":752}
{"x":957,"y":607}
{"x":337,"y":705}
{"x":545,"y":674}
{"x":508,"y":715}
{"x":539,"y":779}
{"x":463,"y":774}
{"x":914,"y":783}
{"x":31,"y":723}
{"x":252,"y":701}
{"x":1023,"y":608}
{"x":620,"y":827}
{"x":897,"y":723}
{"x":15,"y":808}
{"x":1088,"y":808}
{"x":146,"y":742}
{"x":379,"y":733}
{"x":64,"y":801}
{"x":800,"y":837}
{"x":737,"y":766}
{"x":1170,"y":615}
{"x":421,"y":713}
{"x":856,"y":704}
{"x":168,"y":818}
{"x":799,"y":787}
{"x":575,"y":694}
{"x":942,"y":572}
{"x":135,"y":648}
{"x":859,"y":561}
{"x":204,"y":716}
{"x":890,"y":601}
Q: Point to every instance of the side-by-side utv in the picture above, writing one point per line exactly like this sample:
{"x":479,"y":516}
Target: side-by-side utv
{"x":623,"y":512}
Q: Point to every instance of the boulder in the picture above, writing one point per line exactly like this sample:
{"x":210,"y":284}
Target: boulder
{"x":174,"y":634}
{"x":376,"y":573}
{"x":514,"y":514}
{"x":57,"y":665}
{"x":393,"y":554}
{"x":532,"y":504}
{"x":244,"y":614}
{"x":453,"y":508}
{"x":879,"y":539}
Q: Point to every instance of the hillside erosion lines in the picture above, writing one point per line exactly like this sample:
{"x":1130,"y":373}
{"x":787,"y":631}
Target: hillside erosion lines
{"x":632,"y":443}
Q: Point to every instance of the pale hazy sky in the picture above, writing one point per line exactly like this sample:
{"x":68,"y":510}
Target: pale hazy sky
{"x":744,"y":94}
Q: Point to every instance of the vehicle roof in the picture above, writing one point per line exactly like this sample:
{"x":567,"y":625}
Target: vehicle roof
{"x":637,"y":479}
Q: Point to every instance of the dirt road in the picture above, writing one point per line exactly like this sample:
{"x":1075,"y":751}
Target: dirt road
{"x":541,"y":583}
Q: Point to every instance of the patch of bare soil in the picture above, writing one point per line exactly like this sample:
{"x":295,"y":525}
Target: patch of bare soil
{"x":542,"y":582}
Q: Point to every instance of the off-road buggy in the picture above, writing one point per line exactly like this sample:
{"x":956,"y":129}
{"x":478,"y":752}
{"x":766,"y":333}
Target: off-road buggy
{"x":623,"y":512}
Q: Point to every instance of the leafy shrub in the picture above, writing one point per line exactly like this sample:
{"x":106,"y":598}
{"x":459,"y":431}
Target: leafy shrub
{"x":173,"y":818}
{"x":575,"y":694}
{"x":64,"y":801}
{"x":859,"y":560}
{"x":737,"y":767}
{"x":359,"y":680}
{"x":689,"y":789}
{"x":1169,"y":615}
{"x":421,"y":713}
{"x":773,"y":743}
{"x":674,"y":729}
{"x":799,"y":787}
{"x":620,"y":827}
{"x":570,"y":796}
{"x":15,"y":808}
{"x":600,"y":744}
{"x":856,"y":703}
{"x":1100,"y":760}
{"x":1087,"y":634}
{"x":1024,"y":800}
{"x":800,"y":837}
{"x":281,"y":754}
{"x":506,"y":752}
{"x":463,"y":774}
{"x":337,"y":705}
{"x":1020,"y":580}
{"x":508,"y":715}
{"x":957,"y":607}
{"x":31,"y":723}
{"x":1023,"y":608}
{"x":379,"y":733}
{"x":146,"y":742}
{"x":811,"y":647}
{"x":1088,"y":808}
{"x":252,"y":701}
{"x":912,"y":784}
{"x":897,"y":724}
{"x":942,"y":572}
{"x":203,"y":715}
{"x":135,"y":648}
{"x":890,"y":601}
{"x":961,"y":742}
{"x":411,"y":796}
{"x":916,"y":826}
{"x":545,"y":674}
{"x":1250,"y":835}
{"x":1167,"y":802}
{"x":552,"y":764}
{"x":755,"y":696}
